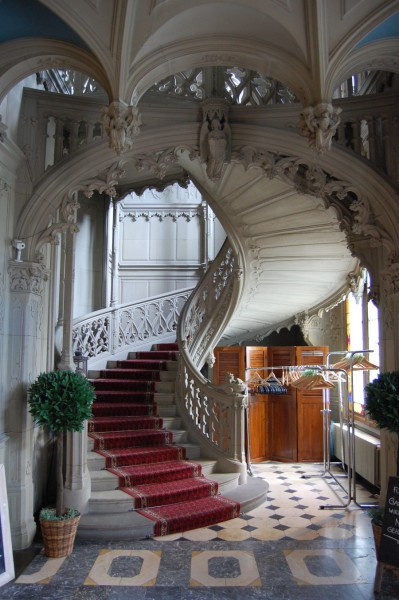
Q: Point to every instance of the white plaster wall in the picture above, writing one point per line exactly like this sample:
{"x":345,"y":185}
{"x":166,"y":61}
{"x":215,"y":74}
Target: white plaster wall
{"x":11,"y":106}
{"x":162,"y":243}
{"x":90,"y":255}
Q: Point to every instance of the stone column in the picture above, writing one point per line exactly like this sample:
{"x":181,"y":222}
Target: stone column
{"x":115,"y":255}
{"x":389,"y":323}
{"x":66,"y":363}
{"x":77,"y":486}
{"x":26,"y":358}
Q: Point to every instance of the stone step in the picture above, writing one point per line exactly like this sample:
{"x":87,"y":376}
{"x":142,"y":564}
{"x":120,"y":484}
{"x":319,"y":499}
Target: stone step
{"x":167,"y":411}
{"x":169,"y":376}
{"x":180,"y":437}
{"x":163,"y":398}
{"x":130,"y":525}
{"x":116,"y":501}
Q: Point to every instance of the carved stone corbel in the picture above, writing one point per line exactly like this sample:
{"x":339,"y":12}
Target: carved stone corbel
{"x":319,"y":124}
{"x":121,"y":123}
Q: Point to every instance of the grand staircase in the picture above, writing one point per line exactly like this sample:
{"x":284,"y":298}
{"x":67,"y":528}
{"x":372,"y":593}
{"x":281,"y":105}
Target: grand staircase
{"x":147,"y":478}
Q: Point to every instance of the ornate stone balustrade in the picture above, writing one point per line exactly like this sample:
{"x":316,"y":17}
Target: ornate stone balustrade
{"x":368,"y":125}
{"x":214,"y":415}
{"x":111,"y":332}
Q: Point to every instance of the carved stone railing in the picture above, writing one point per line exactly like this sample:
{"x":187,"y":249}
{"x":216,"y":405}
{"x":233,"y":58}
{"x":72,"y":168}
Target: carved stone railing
{"x":57,"y":126}
{"x":107,"y":333}
{"x":214,"y":415}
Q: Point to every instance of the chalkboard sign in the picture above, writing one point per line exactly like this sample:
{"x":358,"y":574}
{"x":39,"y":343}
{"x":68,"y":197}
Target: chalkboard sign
{"x":389,"y":551}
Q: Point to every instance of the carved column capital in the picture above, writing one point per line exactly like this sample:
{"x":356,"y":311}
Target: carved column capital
{"x":27,"y":277}
{"x":121,"y":123}
{"x":319,"y":123}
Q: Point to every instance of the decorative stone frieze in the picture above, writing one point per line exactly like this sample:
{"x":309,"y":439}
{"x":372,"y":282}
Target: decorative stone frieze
{"x":160,"y":215}
{"x":215,"y":136}
{"x":319,"y":124}
{"x":121,"y":123}
{"x":27,"y":277}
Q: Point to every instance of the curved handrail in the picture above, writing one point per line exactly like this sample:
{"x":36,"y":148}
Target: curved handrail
{"x":214,"y":415}
{"x":111,"y":331}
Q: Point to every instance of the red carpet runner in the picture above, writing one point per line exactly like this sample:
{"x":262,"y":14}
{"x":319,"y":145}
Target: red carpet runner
{"x":151,"y":468}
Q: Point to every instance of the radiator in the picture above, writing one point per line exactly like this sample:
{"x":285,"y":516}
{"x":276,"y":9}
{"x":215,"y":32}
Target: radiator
{"x":367,"y":453}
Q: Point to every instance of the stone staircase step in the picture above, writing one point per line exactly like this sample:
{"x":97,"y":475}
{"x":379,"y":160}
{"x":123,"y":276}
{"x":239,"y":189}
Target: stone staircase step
{"x":166,"y":411}
{"x":173,"y":423}
{"x":107,"y":501}
{"x":117,"y":501}
{"x":130,"y":525}
{"x":164,"y":398}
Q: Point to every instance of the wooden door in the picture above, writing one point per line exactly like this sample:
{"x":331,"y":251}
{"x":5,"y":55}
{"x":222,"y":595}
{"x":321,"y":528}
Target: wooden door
{"x":282,"y":410}
{"x":310,"y":406}
{"x":258,"y":419}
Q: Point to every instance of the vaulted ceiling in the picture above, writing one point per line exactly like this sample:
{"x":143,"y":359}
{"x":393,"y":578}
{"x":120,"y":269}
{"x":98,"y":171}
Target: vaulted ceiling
{"x":294,"y":249}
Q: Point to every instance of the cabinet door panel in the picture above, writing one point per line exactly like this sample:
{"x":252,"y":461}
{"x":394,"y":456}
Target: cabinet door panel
{"x":283,"y":427}
{"x":310,"y":405}
{"x":229,"y":359}
{"x":258,"y":407}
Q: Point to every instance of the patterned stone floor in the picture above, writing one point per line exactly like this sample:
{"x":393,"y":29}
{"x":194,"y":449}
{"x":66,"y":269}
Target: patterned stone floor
{"x":288,"y":548}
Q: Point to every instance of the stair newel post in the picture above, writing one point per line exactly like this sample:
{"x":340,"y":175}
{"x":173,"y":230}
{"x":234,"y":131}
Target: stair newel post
{"x":238,"y":427}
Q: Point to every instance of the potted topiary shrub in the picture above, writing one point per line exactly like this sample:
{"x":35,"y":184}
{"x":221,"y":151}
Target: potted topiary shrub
{"x":382,"y":406}
{"x":60,"y":401}
{"x":382,"y":403}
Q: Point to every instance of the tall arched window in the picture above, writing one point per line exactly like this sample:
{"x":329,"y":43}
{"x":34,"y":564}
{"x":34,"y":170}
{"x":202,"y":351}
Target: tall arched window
{"x":362,"y":334}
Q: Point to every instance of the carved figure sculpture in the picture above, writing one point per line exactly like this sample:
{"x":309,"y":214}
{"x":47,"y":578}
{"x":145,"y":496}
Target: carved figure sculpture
{"x":215,"y":138}
{"x":319,"y":123}
{"x":235,"y":385}
{"x":121,"y":123}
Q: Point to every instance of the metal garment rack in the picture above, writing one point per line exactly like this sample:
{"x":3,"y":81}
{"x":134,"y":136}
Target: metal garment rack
{"x":347,"y":418}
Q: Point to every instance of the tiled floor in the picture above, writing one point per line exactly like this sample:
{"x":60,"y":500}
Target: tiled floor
{"x":288,"y":548}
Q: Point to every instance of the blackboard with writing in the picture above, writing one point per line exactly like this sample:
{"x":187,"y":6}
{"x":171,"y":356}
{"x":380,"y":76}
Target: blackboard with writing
{"x":389,"y":551}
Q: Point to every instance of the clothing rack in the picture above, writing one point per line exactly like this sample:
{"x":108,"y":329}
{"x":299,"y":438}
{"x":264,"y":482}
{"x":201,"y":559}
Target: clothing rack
{"x":347,"y":418}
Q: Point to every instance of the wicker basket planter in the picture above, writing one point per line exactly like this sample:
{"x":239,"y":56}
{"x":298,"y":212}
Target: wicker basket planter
{"x":59,"y":536}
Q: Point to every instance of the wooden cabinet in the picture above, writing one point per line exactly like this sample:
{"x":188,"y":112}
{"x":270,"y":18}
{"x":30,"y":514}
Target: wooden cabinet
{"x":282,"y":427}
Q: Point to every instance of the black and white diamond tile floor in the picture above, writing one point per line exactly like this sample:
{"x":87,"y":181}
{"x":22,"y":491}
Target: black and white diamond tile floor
{"x":287,"y":548}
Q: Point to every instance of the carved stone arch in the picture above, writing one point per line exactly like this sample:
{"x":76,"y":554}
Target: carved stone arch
{"x":28,"y":58}
{"x":356,"y":192}
{"x":182,"y":56}
{"x":382,"y":55}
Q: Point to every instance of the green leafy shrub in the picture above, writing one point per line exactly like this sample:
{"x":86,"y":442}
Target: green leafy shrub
{"x":60,"y":401}
{"x":382,"y":402}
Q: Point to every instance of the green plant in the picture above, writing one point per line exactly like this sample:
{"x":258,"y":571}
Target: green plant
{"x":61,"y":401}
{"x":377,"y":515}
{"x":382,"y":403}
